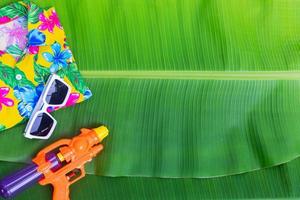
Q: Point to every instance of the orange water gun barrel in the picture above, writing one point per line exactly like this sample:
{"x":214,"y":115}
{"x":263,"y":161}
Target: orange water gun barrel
{"x":69,"y":157}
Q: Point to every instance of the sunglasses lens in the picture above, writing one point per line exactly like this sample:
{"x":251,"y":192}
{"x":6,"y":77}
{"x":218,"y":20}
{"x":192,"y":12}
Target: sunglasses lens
{"x":57,"y":93}
{"x":42,"y":125}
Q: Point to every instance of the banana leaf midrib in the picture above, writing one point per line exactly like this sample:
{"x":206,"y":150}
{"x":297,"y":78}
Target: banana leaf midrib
{"x":194,"y":75}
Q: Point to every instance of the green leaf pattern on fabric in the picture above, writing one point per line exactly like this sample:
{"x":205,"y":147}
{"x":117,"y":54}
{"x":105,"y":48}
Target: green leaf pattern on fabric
{"x":34,"y":12}
{"x":7,"y":75}
{"x":2,"y":127}
{"x":21,"y":78}
{"x":15,"y":50}
{"x":61,"y":73}
{"x":14,"y":10}
{"x":75,"y":77}
{"x":41,"y":73}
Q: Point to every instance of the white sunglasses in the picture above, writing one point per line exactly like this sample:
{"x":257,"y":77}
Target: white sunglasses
{"x":55,"y":94}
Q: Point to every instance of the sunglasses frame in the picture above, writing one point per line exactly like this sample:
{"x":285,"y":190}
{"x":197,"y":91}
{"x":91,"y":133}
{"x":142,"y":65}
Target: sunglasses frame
{"x":42,"y":106}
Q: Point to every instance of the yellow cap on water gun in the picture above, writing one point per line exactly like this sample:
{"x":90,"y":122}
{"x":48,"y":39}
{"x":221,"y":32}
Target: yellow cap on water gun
{"x":102,"y":132}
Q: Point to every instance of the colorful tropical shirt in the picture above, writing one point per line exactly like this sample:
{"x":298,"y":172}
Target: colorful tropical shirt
{"x":33,"y":46}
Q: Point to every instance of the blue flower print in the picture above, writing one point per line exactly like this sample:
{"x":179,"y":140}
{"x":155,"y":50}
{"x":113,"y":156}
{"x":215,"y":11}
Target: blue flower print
{"x":36,"y":38}
{"x":28,"y":97}
{"x":58,"y":58}
{"x":87,"y":94}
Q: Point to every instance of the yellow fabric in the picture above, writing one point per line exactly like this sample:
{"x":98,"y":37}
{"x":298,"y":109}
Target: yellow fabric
{"x":24,"y":72}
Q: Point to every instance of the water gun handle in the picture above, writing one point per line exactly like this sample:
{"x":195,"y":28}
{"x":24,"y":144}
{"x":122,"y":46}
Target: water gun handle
{"x":61,"y":190}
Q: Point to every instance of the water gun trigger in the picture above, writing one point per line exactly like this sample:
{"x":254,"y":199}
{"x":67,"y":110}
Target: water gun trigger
{"x":75,"y":175}
{"x":61,"y":186}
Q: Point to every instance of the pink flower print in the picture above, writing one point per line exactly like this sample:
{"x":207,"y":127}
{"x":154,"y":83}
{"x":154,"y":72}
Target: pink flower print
{"x":49,"y":23}
{"x":4,"y":20}
{"x":2,"y":53}
{"x":33,"y":49}
{"x":46,"y":23}
{"x":73,"y":98}
{"x":3,"y":100}
{"x":54,"y":18}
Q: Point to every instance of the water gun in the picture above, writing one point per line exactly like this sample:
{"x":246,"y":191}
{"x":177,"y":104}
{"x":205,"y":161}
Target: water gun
{"x":60,"y":164}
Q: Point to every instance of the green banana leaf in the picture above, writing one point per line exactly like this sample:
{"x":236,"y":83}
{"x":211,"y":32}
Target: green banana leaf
{"x":180,"y":128}
{"x":277,"y":182}
{"x":189,"y":90}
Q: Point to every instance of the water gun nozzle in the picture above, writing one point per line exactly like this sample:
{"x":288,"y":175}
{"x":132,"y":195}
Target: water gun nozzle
{"x":102,"y":132}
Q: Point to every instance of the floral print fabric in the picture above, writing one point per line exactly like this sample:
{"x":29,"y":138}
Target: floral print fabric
{"x":13,"y":33}
{"x":33,"y":46}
